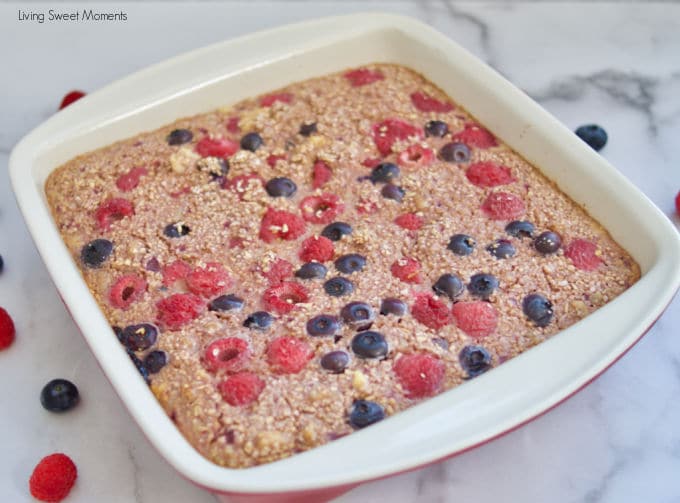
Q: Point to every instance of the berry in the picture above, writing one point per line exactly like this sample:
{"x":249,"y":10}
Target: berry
{"x":243,"y":184}
{"x":384,"y":172}
{"x":430,"y":312}
{"x":153,"y":265}
{"x":438,"y":129}
{"x":369,"y":344}
{"x":270,"y":99}
{"x":583,"y":254}
{"x":241,"y":389}
{"x":279,"y":224}
{"x":59,"y":395}
{"x":308,"y":129}
{"x":230,"y":354}
{"x":363,"y":76}
{"x":420,"y":374}
{"x":70,"y":97}
{"x":677,"y":203}
{"x":371,"y":162}
{"x":139,"y":364}
{"x":179,"y":309}
{"x":547,"y":242}
{"x":482,"y":285}
{"x":476,"y":136}
{"x":462,"y":244}
{"x":538,"y":309}
{"x":352,"y":262}
{"x":455,"y":152}
{"x":279,"y":271}
{"x":126,"y":290}
{"x":130,"y":180}
{"x":321,"y":173}
{"x":426,"y":103}
{"x":336,"y":231}
{"x":335,"y":361}
{"x":155,"y":361}
{"x":387,"y":132}
{"x":475,"y":360}
{"x":593,"y":135}
{"x":282,"y":298}
{"x":323,"y":324}
{"x":394,"y":192}
{"x":477,"y":319}
{"x":449,"y":285}
{"x":113,"y":210}
{"x":216,"y":167}
{"x":95,"y":253}
{"x":501,"y":248}
{"x":321,"y":209}
{"x":520,"y":229}
{"x":233,"y":124}
{"x":176,"y":230}
{"x":393,"y":306}
{"x":251,"y":141}
{"x":503,"y":206}
{"x":273,"y":159}
{"x":229,"y":302}
{"x":489,"y":174}
{"x":416,"y":156}
{"x":216,"y":147}
{"x":53,"y":478}
{"x":2,"y":264}
{"x":338,"y":286}
{"x":364,"y":413}
{"x":311,"y":270}
{"x":259,"y":320}
{"x":407,"y":270}
{"x":409,"y":221}
{"x":209,"y":280}
{"x":288,"y":355}
{"x":316,"y":248}
{"x":175,"y":271}
{"x":139,"y":337}
{"x":179,"y":137}
{"x":358,"y":315}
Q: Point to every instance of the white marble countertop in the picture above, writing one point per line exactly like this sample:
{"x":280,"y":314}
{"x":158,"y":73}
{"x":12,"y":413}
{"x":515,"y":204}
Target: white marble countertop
{"x":616,"y":64}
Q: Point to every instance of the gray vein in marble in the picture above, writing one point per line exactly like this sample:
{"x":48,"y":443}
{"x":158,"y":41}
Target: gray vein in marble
{"x":597,"y":494}
{"x":484,"y":37}
{"x":135,"y":474}
{"x":434,"y":475}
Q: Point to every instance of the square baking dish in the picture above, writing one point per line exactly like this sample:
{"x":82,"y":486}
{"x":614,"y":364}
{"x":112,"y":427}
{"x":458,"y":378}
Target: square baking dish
{"x":454,"y":421}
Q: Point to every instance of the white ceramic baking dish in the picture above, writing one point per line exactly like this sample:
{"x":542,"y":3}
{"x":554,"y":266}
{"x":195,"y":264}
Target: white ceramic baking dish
{"x":480,"y":410}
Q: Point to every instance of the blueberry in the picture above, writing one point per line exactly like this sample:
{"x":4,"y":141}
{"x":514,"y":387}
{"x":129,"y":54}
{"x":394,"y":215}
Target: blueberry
{"x":323,"y":324}
{"x":593,"y":135}
{"x":438,"y":129}
{"x":155,"y":361}
{"x":229,"y":302}
{"x":95,"y":253}
{"x":336,"y":231}
{"x":338,"y":286}
{"x":520,"y":229}
{"x":393,"y":306}
{"x":281,"y":187}
{"x":260,"y":320}
{"x":352,"y":262}
{"x":179,"y":136}
{"x":501,"y":248}
{"x":365,"y":413}
{"x":119,"y":333}
{"x":455,"y":152}
{"x":251,"y":141}
{"x":357,"y":315}
{"x":311,"y":270}
{"x":482,"y":285}
{"x":385,"y":172}
{"x":59,"y":395}
{"x":176,"y":230}
{"x":140,"y":336}
{"x":547,"y":242}
{"x":538,"y":309}
{"x":394,"y":192}
{"x":475,"y":360}
{"x":2,"y":264}
{"x":449,"y":285}
{"x":335,"y":362}
{"x":140,"y":365}
{"x":308,"y":129}
{"x":462,"y":244}
{"x":216,"y":167}
{"x":369,"y":344}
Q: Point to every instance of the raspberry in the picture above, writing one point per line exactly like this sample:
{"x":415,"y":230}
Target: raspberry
{"x":489,"y":174}
{"x":233,"y":124}
{"x":371,"y":162}
{"x":216,"y":147}
{"x":288,"y":355}
{"x":270,"y":99}
{"x":70,"y":98}
{"x":273,"y":159}
{"x":416,"y":156}
{"x":477,"y":319}
{"x":229,"y":354}
{"x":175,"y":271}
{"x":53,"y":478}
{"x":321,"y":173}
{"x":241,"y":389}
{"x":282,"y":225}
{"x":426,"y":103}
{"x":321,"y":209}
{"x":279,"y":271}
{"x":282,"y":298}
{"x":112,"y":210}
{"x":475,"y":136}
{"x":430,"y":312}
{"x":407,"y":269}
{"x":677,"y":203}
{"x":179,"y":309}
{"x":583,"y":254}
{"x":130,"y":180}
{"x":503,"y":206}
{"x":387,"y":132}
{"x":316,"y":248}
{"x":409,"y":221}
{"x":209,"y":280}
{"x":126,"y":290}
{"x":363,"y":76}
{"x":420,"y":374}
{"x":243,"y":184}
{"x":7,"y":330}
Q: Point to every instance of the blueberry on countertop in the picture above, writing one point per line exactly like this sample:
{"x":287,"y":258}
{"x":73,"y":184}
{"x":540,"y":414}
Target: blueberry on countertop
{"x":59,"y":395}
{"x":593,"y":135}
